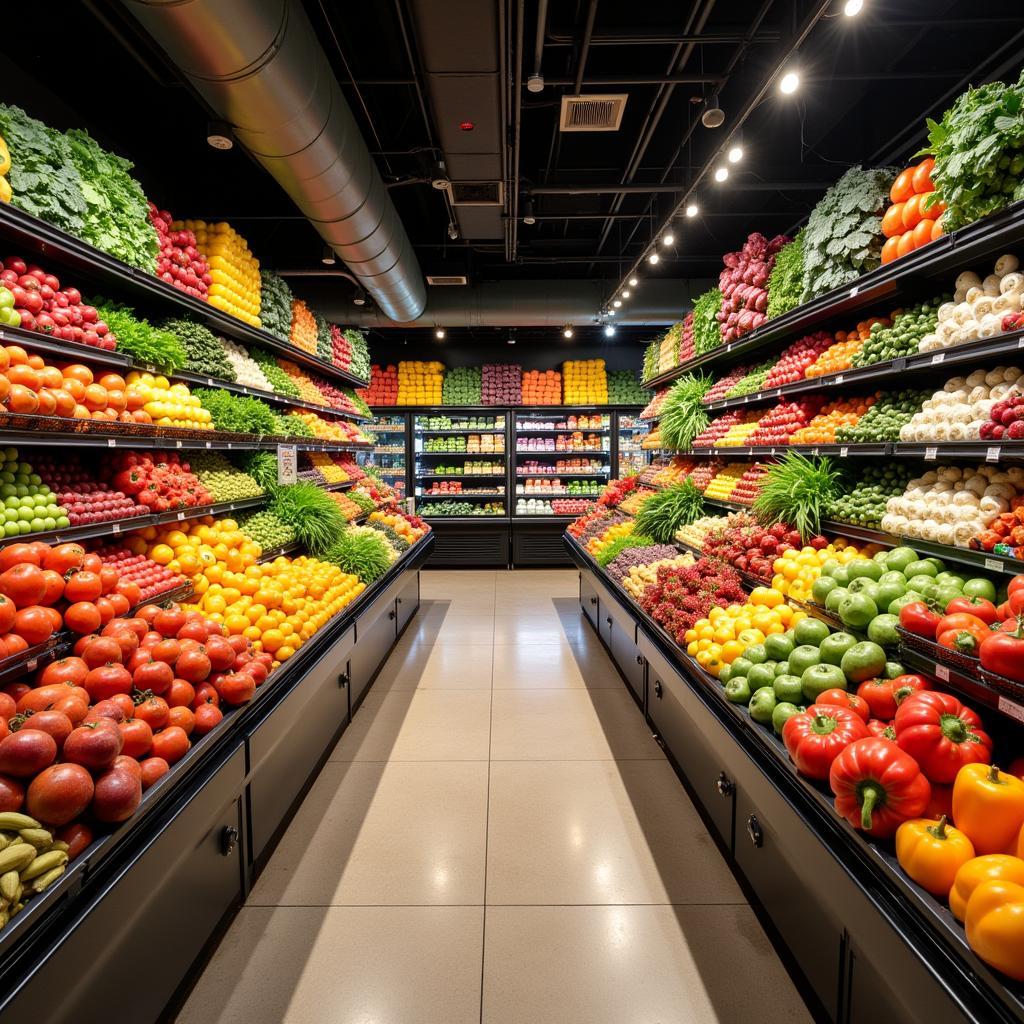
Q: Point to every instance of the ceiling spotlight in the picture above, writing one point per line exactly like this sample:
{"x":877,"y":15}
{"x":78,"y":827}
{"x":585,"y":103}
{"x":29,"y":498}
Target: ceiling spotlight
{"x":528,"y":215}
{"x":653,"y":258}
{"x":789,"y":83}
{"x":668,"y":238}
{"x":714,"y":115}
{"x":617,"y":303}
{"x":853,"y":7}
{"x":633,"y":282}
{"x":626,"y":293}
{"x":567,"y":331}
{"x":219,"y":135}
{"x":359,"y":300}
{"x":611,"y":312}
{"x":535,"y":83}
{"x":692,"y":210}
{"x":453,"y":231}
{"x":735,"y":154}
{"x":327,"y":257}
{"x":721,"y":173}
{"x":439,"y":333}
{"x":609,"y":330}
{"x":511,"y":341}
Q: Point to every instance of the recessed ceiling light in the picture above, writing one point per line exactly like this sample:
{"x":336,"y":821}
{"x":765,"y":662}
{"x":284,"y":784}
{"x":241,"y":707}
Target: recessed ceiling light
{"x":721,"y":173}
{"x":609,"y":330}
{"x":327,"y":257}
{"x":692,"y":210}
{"x":668,"y":238}
{"x":789,"y":83}
{"x":439,"y":333}
{"x":735,"y":154}
{"x":617,"y":303}
{"x":219,"y":135}
{"x":626,"y":293}
{"x":853,"y":7}
{"x":360,"y":299}
{"x":511,"y":341}
{"x":567,"y":331}
{"x":653,"y":258}
{"x":611,"y":312}
{"x":633,"y":282}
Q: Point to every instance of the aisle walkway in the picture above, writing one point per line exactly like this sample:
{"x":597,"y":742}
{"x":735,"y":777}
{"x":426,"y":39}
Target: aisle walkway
{"x":496,"y":839}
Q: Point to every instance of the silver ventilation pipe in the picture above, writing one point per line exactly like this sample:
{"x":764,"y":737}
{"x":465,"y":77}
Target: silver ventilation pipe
{"x":260,"y":66}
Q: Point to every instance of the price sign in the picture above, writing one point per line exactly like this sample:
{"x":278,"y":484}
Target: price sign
{"x":287,"y":464}
{"x":1011,"y":708}
{"x":209,"y":444}
{"x":992,"y":453}
{"x":1020,"y":343}
{"x":115,"y":528}
{"x":181,"y":517}
{"x":994,"y":565}
{"x":942,"y":672}
{"x":728,"y":348}
{"x":930,"y":453}
{"x":111,"y":442}
{"x":938,"y":357}
{"x":209,"y":382}
{"x":814,"y":451}
{"x":177,"y":444}
{"x":843,"y":452}
{"x":839,"y":378}
{"x":853,"y":291}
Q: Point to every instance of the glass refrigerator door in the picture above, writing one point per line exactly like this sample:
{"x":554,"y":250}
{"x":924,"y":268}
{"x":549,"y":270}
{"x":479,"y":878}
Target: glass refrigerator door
{"x":633,"y":457}
{"x":562,"y":461}
{"x":460,"y":465}
{"x":388,"y":454}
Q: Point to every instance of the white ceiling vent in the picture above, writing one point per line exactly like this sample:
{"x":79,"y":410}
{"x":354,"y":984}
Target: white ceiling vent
{"x":476,"y":193}
{"x":592,"y":113}
{"x":448,"y":279}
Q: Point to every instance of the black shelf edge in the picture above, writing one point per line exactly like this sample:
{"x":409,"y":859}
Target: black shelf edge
{"x":24,"y":229}
{"x":460,"y":495}
{"x":458,"y":432}
{"x":933,"y":451}
{"x":541,"y":476}
{"x":463,"y":520}
{"x":474,"y":455}
{"x":217,"y":442}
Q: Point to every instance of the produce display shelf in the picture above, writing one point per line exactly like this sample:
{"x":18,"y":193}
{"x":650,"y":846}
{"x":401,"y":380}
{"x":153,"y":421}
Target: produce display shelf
{"x":204,"y":752}
{"x":756,"y":451}
{"x":459,"y":495}
{"x":562,"y":454}
{"x":526,"y":428}
{"x":555,"y":494}
{"x":113,"y":527}
{"x":456,"y":476}
{"x":39,"y":236}
{"x":928,"y":267}
{"x":284,"y":549}
{"x":965,"y":681}
{"x":899,"y":903}
{"x":600,"y":476}
{"x":342,"y":485}
{"x":986,"y":451}
{"x":494,"y":410}
{"x":469,"y":455}
{"x":465,"y":519}
{"x":65,"y":351}
{"x":547,"y":517}
{"x":731,"y":506}
{"x":461,"y":431}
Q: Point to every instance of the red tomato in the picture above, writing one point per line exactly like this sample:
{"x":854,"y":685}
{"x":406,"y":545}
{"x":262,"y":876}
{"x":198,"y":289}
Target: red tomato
{"x":34,"y":625}
{"x":193,"y":665}
{"x":18,"y":554}
{"x":153,"y":768}
{"x":78,"y":837}
{"x":137,"y":736}
{"x":842,"y":699}
{"x":94,"y":745}
{"x":24,"y":584}
{"x":83,"y":586}
{"x":169,"y":620}
{"x":182,"y":718}
{"x":171,"y":744}
{"x":27,"y":752}
{"x":181,"y":694}
{"x":106,"y":680}
{"x":54,"y":588}
{"x":155,"y":676}
{"x":12,"y":794}
{"x":207,"y":716}
{"x":60,"y":793}
{"x":109,"y":578}
{"x":154,"y":711}
{"x":64,"y":558}
{"x":82,"y":617}
{"x":7,"y":610}
{"x":100,"y":650}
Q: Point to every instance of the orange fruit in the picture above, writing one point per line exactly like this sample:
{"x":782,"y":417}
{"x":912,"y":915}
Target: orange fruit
{"x":906,"y":243}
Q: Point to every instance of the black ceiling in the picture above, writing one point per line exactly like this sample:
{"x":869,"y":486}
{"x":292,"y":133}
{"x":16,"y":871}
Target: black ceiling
{"x":868,"y":83}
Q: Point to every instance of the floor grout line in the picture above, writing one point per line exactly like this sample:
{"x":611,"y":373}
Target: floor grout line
{"x":473,"y":906}
{"x":487,"y":821}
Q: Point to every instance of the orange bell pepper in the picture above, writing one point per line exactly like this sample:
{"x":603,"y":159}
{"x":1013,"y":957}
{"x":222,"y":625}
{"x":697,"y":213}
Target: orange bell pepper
{"x":988,"y":805}
{"x":993,"y":866}
{"x":932,"y":853}
{"x":995,"y":926}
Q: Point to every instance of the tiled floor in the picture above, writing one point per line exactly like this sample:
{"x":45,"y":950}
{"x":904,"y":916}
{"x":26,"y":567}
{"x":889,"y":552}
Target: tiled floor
{"x":496,"y":839}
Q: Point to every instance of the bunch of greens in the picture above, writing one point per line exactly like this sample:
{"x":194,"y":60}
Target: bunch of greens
{"x":43,"y":176}
{"x":205,"y":350}
{"x":461,"y":386}
{"x":683,"y":414}
{"x":324,"y":347}
{"x":651,"y":359}
{"x":666,"y":511}
{"x":843,"y":238}
{"x":799,"y":491}
{"x":752,"y":382}
{"x":357,"y":401}
{"x":266,"y":529}
{"x":707,"y":331}
{"x":291,"y":425}
{"x":360,"y":363}
{"x":139,"y":338}
{"x":786,"y":281}
{"x":361,"y":551}
{"x":277,"y":378}
{"x":117,"y":218}
{"x":312,"y":514}
{"x":612,"y":551}
{"x":625,"y":389}
{"x":275,"y":305}
{"x":237,"y":414}
{"x":364,"y":501}
{"x":979,"y":153}
{"x":262,"y":467}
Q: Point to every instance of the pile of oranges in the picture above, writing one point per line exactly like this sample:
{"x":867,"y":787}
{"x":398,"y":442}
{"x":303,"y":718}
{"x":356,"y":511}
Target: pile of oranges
{"x":202,"y":552}
{"x":839,"y":356}
{"x":303,"y":330}
{"x":822,"y":429}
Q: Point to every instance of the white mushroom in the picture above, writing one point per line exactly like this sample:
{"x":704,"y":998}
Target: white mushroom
{"x":1011,"y":283}
{"x":991,"y":285}
{"x":968,"y":279}
{"x":1006,"y":264}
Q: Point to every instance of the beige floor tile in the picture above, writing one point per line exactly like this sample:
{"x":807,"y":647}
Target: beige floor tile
{"x":571,"y":725}
{"x":608,"y":965}
{"x":431,"y":666}
{"x":441,"y":624}
{"x":599,"y":832}
{"x":347,"y":965}
{"x":423,"y":725}
{"x":544,"y":666}
{"x":537,"y":629}
{"x":374,"y":834}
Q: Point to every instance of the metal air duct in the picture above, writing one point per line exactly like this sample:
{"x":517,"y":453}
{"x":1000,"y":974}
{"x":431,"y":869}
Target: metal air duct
{"x":259,"y":65}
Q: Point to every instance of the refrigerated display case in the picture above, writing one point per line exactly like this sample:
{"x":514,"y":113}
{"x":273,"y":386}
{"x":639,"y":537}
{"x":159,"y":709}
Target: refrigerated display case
{"x":388,"y":457}
{"x":630,"y":432}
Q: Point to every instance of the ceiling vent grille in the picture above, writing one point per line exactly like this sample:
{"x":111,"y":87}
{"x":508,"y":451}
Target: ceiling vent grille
{"x":592,"y":113}
{"x":476,"y":193}
{"x":446,"y":279}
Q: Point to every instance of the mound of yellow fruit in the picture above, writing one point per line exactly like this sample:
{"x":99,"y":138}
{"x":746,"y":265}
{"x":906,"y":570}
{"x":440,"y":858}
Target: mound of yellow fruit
{"x":796,"y":571}
{"x":234,"y":270}
{"x":202,"y":549}
{"x":420,"y":383}
{"x":585,"y":382}
{"x":170,"y":405}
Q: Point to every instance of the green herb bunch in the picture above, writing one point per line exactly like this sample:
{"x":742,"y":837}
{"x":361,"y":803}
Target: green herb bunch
{"x":277,"y":378}
{"x":262,"y":467}
{"x":799,"y":490}
{"x":139,"y":338}
{"x":324,"y":347}
{"x":786,"y":281}
{"x":275,"y":305}
{"x":666,"y":511}
{"x":311,"y":512}
{"x":361,"y":551}
{"x":237,"y":414}
{"x":707,"y":331}
{"x":683,"y":413}
{"x":609,"y":553}
{"x":205,"y":350}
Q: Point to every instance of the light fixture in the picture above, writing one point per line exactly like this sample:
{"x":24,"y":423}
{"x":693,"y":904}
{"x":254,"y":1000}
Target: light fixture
{"x":617,"y":303}
{"x":511,"y":341}
{"x":692,"y":210}
{"x":789,"y":83}
{"x":567,"y":331}
{"x":633,"y":282}
{"x":653,"y":258}
{"x":713,"y":115}
{"x":721,"y":173}
{"x":439,"y":333}
{"x":327,"y":257}
{"x":219,"y":135}
{"x":853,"y":7}
{"x":609,"y":330}
{"x":668,"y":238}
{"x":535,"y":83}
{"x":528,"y":215}
{"x":735,"y":154}
{"x":359,"y":300}
{"x":453,"y":231}
{"x":611,"y":312}
{"x":626,"y":293}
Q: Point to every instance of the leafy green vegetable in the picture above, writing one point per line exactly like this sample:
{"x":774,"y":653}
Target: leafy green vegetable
{"x":683,"y":414}
{"x":751,"y":382}
{"x":323,"y":337}
{"x":398,"y":542}
{"x":843,"y":238}
{"x":237,"y":414}
{"x":361,"y":551}
{"x":275,"y":305}
{"x":625,"y":389}
{"x":139,"y":338}
{"x":290,"y":425}
{"x":707,"y":331}
{"x":311,"y":512}
{"x":360,"y":363}
{"x":979,"y":152}
{"x":364,"y":501}
{"x":786,"y":281}
{"x":798,"y":490}
{"x":668,"y":510}
{"x":205,"y":350}
{"x":278,"y":379}
{"x":262,"y":467}
{"x":612,"y":551}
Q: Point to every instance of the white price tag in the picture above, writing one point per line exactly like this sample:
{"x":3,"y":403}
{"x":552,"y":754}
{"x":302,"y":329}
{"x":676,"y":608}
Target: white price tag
{"x":181,"y":517}
{"x":854,"y":290}
{"x":287,"y":464}
{"x":839,"y":378}
{"x":773,"y":451}
{"x":115,"y":528}
{"x":177,"y":444}
{"x":1020,"y":343}
{"x":843,"y":452}
{"x":209,"y":444}
{"x":814,"y":451}
{"x":992,"y":453}
{"x":30,"y":666}
{"x":111,"y":442}
{"x":778,"y":392}
{"x":231,"y":507}
{"x":994,"y":565}
{"x":1011,"y":708}
{"x":930,"y":453}
{"x":209,"y":382}
{"x":229,"y":446}
{"x":245,"y":391}
{"x":728,"y":348}
{"x":746,"y":398}
{"x":942,"y":672}
{"x":938,"y":357}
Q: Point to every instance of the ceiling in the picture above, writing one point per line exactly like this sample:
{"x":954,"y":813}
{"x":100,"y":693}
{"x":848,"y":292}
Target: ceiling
{"x":414,"y":70}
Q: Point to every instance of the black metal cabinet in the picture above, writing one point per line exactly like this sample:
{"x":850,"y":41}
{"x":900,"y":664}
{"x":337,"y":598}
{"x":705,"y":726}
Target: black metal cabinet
{"x":631,"y":662}
{"x":588,"y":598}
{"x":376,"y":632}
{"x":144,"y":921}
{"x":408,"y":601}
{"x":282,"y":747}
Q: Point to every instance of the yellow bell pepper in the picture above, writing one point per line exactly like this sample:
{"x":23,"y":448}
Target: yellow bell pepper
{"x":995,"y":926}
{"x":932,"y":853}
{"x":993,"y":866}
{"x":989,"y":806}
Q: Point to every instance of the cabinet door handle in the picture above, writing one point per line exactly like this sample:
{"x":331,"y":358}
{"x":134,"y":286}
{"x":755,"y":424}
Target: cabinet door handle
{"x":755,"y":831}
{"x":609,"y":621}
{"x":228,"y":840}
{"x":343,"y":680}
{"x":639,"y":659}
{"x":392,"y":614}
{"x":593,"y":600}
{"x":725,"y":785}
{"x":657,"y":688}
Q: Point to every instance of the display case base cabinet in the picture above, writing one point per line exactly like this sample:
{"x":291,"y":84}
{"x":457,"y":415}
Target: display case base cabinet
{"x":539,"y":543}
{"x":148,"y":921}
{"x":309,"y":719}
{"x":376,"y":633}
{"x":478,"y":545}
{"x":852,"y":954}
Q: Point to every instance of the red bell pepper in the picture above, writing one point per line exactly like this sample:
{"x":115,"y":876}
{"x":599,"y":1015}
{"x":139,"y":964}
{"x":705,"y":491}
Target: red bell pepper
{"x":880,"y":698}
{"x":919,"y":619}
{"x":963,"y":641}
{"x":941,"y":734}
{"x":906,"y":686}
{"x":1003,"y":652}
{"x":960,"y":620}
{"x":815,"y":737}
{"x":878,"y":786}
{"x":843,"y":699}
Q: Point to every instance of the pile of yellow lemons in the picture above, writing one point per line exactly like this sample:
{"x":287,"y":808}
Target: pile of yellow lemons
{"x":796,"y":571}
